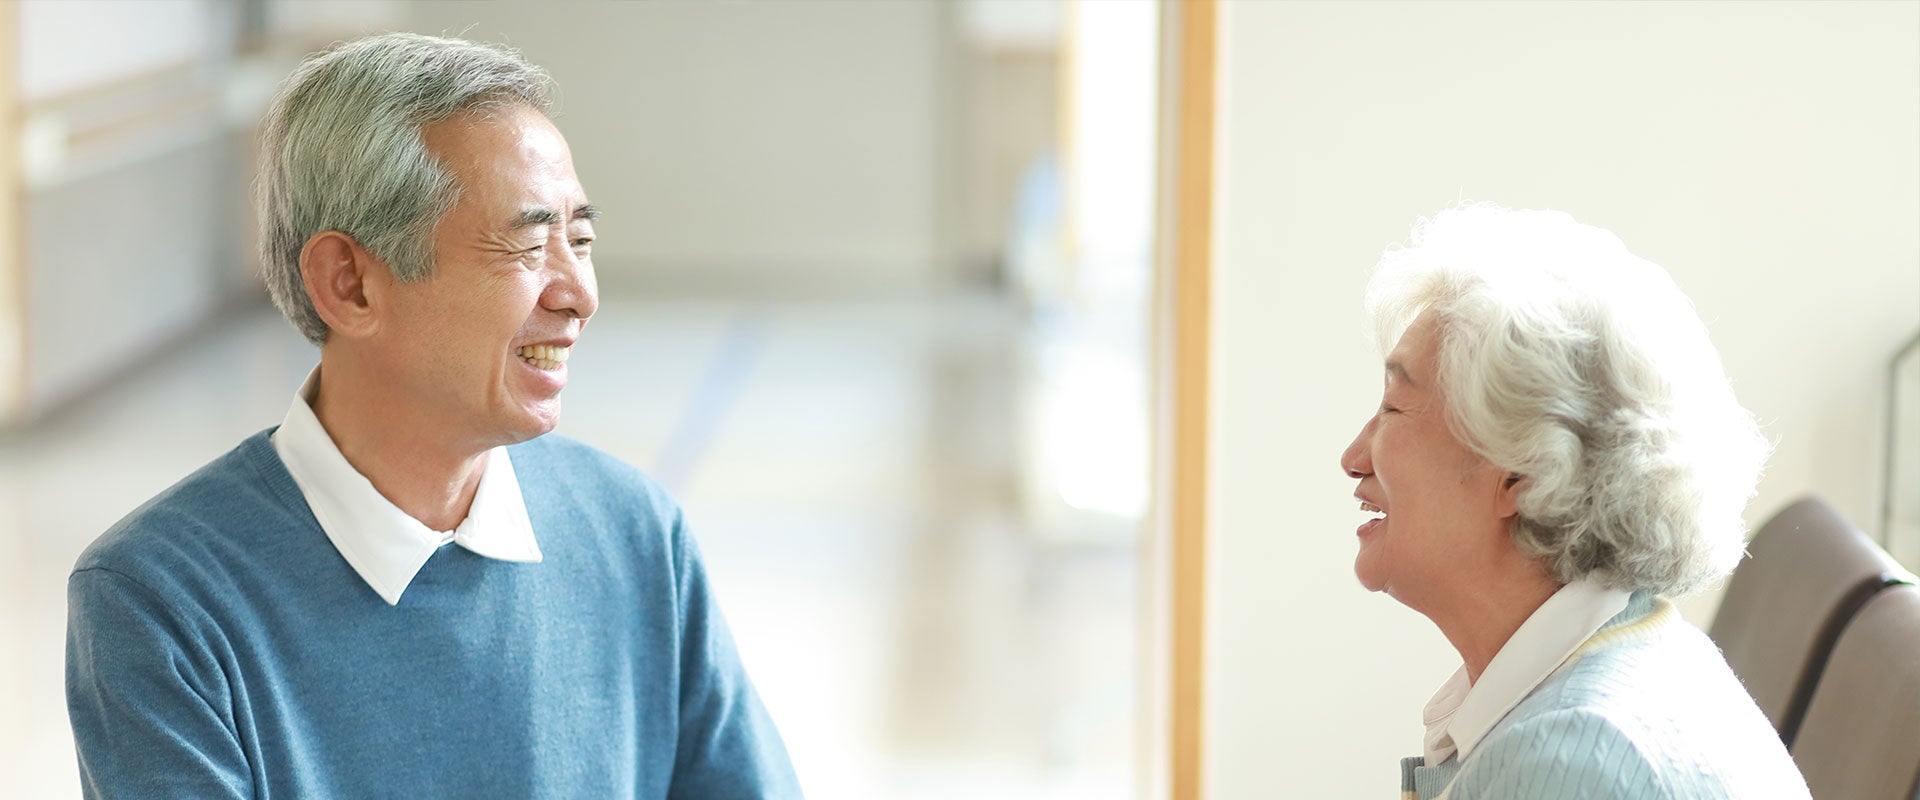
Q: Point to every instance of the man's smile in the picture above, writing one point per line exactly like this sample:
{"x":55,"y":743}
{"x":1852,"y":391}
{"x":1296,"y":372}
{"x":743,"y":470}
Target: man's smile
{"x":544,"y":356}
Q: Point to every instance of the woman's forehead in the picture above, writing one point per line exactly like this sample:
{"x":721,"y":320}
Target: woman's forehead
{"x":1413,"y":356}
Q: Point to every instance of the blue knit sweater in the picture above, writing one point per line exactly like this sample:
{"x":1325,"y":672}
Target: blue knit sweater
{"x":1647,"y":708}
{"x":218,"y":646}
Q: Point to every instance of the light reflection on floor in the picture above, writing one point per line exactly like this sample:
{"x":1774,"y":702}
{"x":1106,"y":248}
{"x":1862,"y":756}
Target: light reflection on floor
{"x":850,"y":470}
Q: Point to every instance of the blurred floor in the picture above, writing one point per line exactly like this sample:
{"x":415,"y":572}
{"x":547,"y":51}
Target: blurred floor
{"x":851,"y":470}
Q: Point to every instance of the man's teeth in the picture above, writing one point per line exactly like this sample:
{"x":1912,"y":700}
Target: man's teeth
{"x":544,"y":356}
{"x":1371,"y":508}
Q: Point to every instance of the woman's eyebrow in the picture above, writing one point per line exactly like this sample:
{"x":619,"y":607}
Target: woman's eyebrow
{"x":1396,"y":368}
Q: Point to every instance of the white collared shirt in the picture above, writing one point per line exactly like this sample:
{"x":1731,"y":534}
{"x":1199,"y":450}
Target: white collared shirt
{"x":382,"y":543}
{"x":1461,"y":713}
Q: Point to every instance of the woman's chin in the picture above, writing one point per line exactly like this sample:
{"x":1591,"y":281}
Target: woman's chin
{"x":1365,"y":573}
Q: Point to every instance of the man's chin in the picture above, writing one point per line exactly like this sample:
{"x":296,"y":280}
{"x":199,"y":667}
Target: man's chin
{"x":533,"y":423}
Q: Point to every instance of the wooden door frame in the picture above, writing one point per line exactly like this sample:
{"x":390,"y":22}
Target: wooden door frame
{"x":1189,"y":59}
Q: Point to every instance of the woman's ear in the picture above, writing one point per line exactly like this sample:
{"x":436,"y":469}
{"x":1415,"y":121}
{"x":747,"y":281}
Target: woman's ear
{"x":1507,"y":498}
{"x":345,"y":282}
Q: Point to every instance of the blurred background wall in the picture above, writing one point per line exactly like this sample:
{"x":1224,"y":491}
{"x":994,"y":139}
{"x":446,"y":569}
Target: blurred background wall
{"x":142,"y":124}
{"x":1766,"y":154}
{"x":764,"y":147}
{"x":828,"y":147}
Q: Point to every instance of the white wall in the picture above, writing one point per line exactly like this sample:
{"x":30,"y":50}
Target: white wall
{"x":742,"y":145}
{"x":1766,"y":153}
{"x":99,"y":302}
{"x":73,"y":45}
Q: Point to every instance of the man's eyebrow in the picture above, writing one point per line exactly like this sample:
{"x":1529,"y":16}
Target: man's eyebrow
{"x":530,"y":217}
{"x":541,"y":215}
{"x":1396,"y":368}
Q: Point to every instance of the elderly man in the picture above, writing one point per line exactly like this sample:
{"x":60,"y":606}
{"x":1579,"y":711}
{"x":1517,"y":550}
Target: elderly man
{"x":290,"y":621}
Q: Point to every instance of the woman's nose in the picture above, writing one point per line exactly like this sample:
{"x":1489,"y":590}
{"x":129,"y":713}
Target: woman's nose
{"x":1358,"y":458}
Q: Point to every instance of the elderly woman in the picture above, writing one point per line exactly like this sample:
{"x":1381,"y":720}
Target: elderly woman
{"x":1556,"y":453}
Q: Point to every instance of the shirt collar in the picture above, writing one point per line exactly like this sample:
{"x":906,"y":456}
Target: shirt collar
{"x":382,"y":543}
{"x":1461,"y":713}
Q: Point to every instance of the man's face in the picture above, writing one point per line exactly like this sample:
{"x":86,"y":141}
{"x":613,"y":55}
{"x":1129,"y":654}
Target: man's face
{"x":1439,"y":503}
{"x":482,"y":344}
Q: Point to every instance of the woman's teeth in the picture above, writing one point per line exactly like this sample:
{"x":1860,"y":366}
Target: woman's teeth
{"x":544,"y":356}
{"x":1372,"y":509}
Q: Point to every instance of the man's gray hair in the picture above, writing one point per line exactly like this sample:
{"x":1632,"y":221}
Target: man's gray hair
{"x":341,"y":150}
{"x":1583,"y":369}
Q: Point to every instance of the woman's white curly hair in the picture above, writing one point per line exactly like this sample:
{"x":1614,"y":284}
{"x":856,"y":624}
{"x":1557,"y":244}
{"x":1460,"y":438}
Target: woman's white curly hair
{"x":1582,"y":368}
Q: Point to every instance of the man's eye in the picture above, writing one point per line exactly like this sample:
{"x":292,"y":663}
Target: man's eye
{"x":583,"y":241}
{"x":1387,"y":409}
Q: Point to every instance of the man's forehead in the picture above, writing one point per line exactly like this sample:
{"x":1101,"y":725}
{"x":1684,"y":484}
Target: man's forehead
{"x":489,"y":127}
{"x":479,"y":148}
{"x":513,"y":169}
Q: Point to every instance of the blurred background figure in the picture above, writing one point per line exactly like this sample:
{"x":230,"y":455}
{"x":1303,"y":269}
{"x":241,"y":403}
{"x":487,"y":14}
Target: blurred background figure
{"x":875,"y":291}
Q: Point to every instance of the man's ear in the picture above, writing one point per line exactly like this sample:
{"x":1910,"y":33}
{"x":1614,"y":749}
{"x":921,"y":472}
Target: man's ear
{"x":347,"y":284}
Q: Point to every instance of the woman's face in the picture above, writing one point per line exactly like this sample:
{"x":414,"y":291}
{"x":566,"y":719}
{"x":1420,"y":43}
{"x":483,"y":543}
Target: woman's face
{"x":1441,"y":511}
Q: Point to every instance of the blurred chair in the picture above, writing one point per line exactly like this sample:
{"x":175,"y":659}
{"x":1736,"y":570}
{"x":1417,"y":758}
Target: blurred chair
{"x":1861,"y":736}
{"x":1807,"y":574}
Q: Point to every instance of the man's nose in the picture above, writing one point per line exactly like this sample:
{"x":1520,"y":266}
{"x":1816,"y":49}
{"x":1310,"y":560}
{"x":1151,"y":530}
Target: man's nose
{"x":573,"y":290}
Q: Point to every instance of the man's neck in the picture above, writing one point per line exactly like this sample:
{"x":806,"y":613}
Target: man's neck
{"x":397,"y":447}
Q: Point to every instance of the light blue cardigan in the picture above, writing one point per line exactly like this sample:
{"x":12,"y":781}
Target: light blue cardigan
{"x":1647,"y":708}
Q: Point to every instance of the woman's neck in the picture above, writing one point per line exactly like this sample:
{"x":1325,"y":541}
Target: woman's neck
{"x":1481,"y":619}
